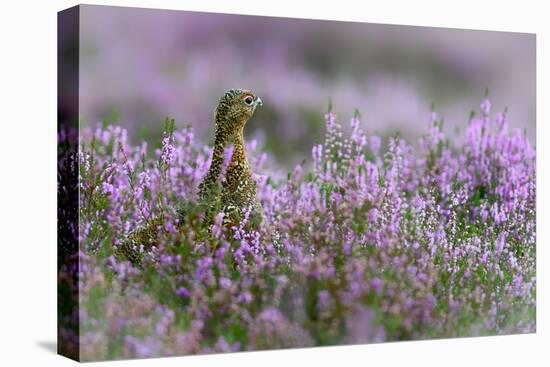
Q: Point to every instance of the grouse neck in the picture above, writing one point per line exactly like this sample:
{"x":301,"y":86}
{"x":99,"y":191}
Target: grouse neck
{"x":239,"y":150}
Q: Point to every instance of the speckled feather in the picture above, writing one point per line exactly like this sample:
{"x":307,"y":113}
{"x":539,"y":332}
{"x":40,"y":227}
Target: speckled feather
{"x":140,"y":240}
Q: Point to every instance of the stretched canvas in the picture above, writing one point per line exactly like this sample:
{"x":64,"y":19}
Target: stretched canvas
{"x":234,"y":183}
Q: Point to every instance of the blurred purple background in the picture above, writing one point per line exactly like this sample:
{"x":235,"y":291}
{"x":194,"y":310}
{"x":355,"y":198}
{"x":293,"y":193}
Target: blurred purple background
{"x":140,"y":65}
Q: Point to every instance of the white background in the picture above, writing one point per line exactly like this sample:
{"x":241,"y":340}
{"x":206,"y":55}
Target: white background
{"x":28,"y":182}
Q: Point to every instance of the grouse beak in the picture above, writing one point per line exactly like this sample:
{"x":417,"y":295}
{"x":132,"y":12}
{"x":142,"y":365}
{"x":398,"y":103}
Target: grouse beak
{"x":258,"y":101}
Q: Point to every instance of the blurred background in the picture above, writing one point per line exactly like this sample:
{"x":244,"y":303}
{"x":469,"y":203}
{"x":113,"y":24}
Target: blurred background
{"x":139,"y":66}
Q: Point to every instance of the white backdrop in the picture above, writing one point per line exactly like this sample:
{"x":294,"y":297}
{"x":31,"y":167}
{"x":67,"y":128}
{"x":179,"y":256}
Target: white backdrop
{"x":28,"y":181}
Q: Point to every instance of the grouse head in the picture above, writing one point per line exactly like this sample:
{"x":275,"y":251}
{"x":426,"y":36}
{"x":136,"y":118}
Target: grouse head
{"x":234,"y":109}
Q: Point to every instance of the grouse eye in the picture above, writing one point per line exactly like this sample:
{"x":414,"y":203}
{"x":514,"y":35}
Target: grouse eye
{"x":248,"y":100}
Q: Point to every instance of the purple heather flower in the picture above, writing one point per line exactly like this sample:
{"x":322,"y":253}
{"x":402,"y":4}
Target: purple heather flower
{"x":225,"y":283}
{"x":183,"y":292}
{"x":377,"y":285}
{"x":168,"y":150}
{"x":486,"y":106}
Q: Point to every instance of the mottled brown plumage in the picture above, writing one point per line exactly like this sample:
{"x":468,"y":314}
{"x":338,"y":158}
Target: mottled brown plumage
{"x":237,"y":190}
{"x":141,"y":240}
